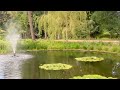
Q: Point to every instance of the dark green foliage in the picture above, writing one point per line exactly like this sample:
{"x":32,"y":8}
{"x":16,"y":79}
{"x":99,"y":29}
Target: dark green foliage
{"x":66,"y":25}
{"x":108,"y":23}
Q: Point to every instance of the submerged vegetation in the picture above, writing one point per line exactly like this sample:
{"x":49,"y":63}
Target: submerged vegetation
{"x":94,"y":76}
{"x":57,"y":66}
{"x":90,"y":59}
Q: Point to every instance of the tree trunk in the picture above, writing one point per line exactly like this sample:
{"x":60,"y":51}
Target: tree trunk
{"x":45,"y":34}
{"x":30,"y":19}
{"x":45,"y":28}
{"x":58,"y":36}
{"x":66,"y":34}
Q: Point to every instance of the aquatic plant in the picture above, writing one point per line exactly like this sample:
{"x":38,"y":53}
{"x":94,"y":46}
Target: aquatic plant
{"x":94,"y":76}
{"x":57,"y":66}
{"x":40,"y":44}
{"x":90,"y":59}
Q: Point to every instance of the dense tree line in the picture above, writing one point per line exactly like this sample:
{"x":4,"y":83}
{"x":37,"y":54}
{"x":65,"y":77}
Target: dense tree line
{"x":64,"y":24}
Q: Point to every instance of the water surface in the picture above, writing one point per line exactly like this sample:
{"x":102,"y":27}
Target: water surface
{"x":29,"y":69}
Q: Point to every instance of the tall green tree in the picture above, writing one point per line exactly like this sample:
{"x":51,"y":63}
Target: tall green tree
{"x":4,"y":16}
{"x":108,"y":22}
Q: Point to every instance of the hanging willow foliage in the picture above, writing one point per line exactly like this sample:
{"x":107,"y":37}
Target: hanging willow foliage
{"x":64,"y":24}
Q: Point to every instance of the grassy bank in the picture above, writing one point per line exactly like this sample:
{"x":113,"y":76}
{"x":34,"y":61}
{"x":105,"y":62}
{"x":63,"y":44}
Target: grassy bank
{"x":28,"y":44}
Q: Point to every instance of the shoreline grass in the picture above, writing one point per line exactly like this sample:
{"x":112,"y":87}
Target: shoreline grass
{"x":30,"y":45}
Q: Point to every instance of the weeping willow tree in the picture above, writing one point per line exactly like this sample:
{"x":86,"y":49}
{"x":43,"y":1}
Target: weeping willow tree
{"x":64,"y":24}
{"x":78,"y":24}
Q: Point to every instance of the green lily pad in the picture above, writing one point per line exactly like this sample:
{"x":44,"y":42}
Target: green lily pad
{"x":57,"y":66}
{"x":94,"y":76}
{"x":90,"y":59}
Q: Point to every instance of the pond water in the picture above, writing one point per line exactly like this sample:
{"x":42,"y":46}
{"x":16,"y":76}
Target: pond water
{"x":29,"y":69}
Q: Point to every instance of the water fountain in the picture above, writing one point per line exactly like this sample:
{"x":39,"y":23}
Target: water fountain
{"x":13,"y":35}
{"x":16,"y":59}
{"x":13,"y":38}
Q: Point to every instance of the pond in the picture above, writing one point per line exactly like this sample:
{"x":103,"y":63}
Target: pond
{"x":29,"y":69}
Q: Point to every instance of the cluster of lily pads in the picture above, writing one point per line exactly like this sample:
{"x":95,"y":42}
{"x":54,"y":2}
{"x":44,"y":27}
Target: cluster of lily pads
{"x":57,"y":66}
{"x":90,"y":59}
{"x":94,"y":76}
{"x":60,"y":66}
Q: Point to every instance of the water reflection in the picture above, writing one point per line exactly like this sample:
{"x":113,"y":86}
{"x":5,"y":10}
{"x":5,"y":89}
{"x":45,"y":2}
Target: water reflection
{"x":19,"y":68}
{"x":10,"y":66}
{"x":31,"y":70}
{"x":10,"y":70}
{"x":77,"y":63}
{"x":1,"y":71}
{"x":116,"y":69}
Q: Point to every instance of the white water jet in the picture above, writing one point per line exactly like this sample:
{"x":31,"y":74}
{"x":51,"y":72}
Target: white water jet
{"x":13,"y":35}
{"x":13,"y":38}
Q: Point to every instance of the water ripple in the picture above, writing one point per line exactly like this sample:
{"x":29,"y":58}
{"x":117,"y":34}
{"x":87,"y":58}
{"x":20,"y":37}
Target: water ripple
{"x":10,"y":67}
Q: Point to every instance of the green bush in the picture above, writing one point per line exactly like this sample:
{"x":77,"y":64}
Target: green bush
{"x":99,"y":47}
{"x":114,"y":49}
{"x":91,"y":47}
{"x":118,"y":51}
{"x":105,"y":48}
{"x":70,"y":45}
{"x":40,"y":44}
{"x":56,"y":46}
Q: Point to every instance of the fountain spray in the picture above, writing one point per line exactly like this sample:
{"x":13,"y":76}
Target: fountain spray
{"x":13,"y":35}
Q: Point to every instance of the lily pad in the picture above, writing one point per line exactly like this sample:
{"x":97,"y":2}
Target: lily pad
{"x":90,"y":59}
{"x":57,"y":66}
{"x":94,"y":76}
